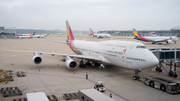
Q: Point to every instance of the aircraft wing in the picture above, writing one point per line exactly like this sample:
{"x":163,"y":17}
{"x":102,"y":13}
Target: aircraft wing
{"x":88,"y":57}
{"x":59,"y":41}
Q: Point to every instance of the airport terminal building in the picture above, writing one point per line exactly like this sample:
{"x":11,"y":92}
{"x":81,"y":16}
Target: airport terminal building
{"x":175,"y":31}
{"x":6,"y":34}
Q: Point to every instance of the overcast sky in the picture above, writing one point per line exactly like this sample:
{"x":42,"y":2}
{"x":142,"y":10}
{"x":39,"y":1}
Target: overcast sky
{"x":94,"y":14}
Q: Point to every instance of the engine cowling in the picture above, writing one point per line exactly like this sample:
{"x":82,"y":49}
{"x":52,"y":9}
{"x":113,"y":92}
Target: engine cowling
{"x":70,"y":63}
{"x":169,"y":41}
{"x":37,"y":59}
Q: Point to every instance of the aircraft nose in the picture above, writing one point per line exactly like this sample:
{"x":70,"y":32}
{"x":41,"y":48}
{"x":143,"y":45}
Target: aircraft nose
{"x":154,"y":61}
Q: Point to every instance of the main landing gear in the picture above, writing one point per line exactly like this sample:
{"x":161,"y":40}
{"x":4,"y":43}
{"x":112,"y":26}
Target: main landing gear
{"x":136,"y":77}
{"x":83,"y":63}
{"x":158,"y":69}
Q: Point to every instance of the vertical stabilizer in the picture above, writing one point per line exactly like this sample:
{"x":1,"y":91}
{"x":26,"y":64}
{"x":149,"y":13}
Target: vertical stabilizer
{"x":69,"y":32}
{"x":91,"y":31}
{"x":34,"y":32}
{"x":30,"y":35}
{"x":138,"y":36}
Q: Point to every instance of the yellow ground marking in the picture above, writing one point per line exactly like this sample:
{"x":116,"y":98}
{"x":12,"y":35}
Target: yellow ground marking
{"x":35,"y":47}
{"x":31,"y":49}
{"x":117,"y":77}
{"x":130,"y":81}
{"x":64,"y":50}
{"x":4,"y":47}
{"x":52,"y":46}
{"x":104,"y":73}
{"x":14,"y":47}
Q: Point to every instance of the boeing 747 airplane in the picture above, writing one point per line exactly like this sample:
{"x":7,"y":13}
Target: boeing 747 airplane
{"x":99,"y":35}
{"x":122,"y":54}
{"x":167,"y":39}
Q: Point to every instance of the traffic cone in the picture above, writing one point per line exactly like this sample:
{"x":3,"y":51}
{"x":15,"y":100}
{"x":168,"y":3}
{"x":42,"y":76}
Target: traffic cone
{"x":39,"y":69}
{"x":12,"y":63}
{"x":31,"y":68}
{"x":74,"y":72}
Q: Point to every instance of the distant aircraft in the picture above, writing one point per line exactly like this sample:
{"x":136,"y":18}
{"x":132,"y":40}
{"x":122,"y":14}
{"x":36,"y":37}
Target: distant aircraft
{"x":99,"y":35}
{"x":25,"y":36}
{"x":122,"y":54}
{"x":40,"y":36}
{"x":167,"y":39}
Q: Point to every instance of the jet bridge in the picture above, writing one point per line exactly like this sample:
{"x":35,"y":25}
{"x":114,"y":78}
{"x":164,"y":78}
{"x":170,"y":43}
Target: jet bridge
{"x":167,"y":54}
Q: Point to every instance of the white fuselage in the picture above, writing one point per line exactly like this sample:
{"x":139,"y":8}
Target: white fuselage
{"x":126,"y":54}
{"x":102,"y":35}
{"x":161,"y":39}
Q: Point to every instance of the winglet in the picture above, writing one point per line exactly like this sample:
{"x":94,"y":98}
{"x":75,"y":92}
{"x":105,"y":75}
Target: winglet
{"x":91,"y":31}
{"x":69,"y":31}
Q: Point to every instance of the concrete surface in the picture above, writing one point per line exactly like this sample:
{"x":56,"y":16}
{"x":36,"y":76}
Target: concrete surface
{"x":54,"y":78}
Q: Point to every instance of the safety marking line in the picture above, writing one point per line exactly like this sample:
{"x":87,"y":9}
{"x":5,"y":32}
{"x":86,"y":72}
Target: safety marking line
{"x":52,"y":46}
{"x":2,"y":60}
{"x":129,"y":81}
{"x":35,"y":47}
{"x":117,"y":77}
{"x":64,"y":50}
{"x":4,"y":47}
{"x":14,"y":47}
{"x":105,"y":73}
{"x":111,"y":92}
{"x":30,"y":48}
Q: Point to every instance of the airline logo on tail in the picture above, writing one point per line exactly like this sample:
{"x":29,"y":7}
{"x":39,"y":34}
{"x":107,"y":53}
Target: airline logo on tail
{"x":30,"y":35}
{"x":69,"y":31}
{"x":34,"y":32}
{"x":46,"y":35}
{"x":138,"y":36}
{"x":70,"y":36}
{"x":91,"y":31}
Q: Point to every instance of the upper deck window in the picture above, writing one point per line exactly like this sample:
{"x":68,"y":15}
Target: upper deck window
{"x":144,"y":47}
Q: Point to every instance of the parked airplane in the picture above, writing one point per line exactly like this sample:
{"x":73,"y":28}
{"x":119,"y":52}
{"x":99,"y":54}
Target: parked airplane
{"x":25,"y":36}
{"x":167,"y":39}
{"x":99,"y":35}
{"x":40,"y":36}
{"x":125,"y":54}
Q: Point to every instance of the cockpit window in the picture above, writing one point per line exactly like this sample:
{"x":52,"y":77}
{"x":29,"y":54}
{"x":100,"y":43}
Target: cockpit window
{"x":144,"y":47}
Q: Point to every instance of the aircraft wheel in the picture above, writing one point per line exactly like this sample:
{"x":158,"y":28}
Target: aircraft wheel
{"x":160,"y":70}
{"x":135,"y":77}
{"x":157,"y":69}
{"x":175,"y":75}
{"x":170,"y":73}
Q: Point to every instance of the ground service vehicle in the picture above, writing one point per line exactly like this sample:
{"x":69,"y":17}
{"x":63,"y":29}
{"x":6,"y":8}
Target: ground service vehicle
{"x":99,"y":85}
{"x":163,"y":84}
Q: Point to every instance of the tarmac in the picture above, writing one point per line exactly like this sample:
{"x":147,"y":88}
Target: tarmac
{"x":54,"y":78}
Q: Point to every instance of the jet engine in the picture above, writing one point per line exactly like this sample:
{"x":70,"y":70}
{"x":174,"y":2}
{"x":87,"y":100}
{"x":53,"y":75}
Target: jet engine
{"x":70,"y":63}
{"x":37,"y":59}
{"x":169,"y":41}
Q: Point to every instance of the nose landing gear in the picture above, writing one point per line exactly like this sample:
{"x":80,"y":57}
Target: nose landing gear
{"x":136,"y":77}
